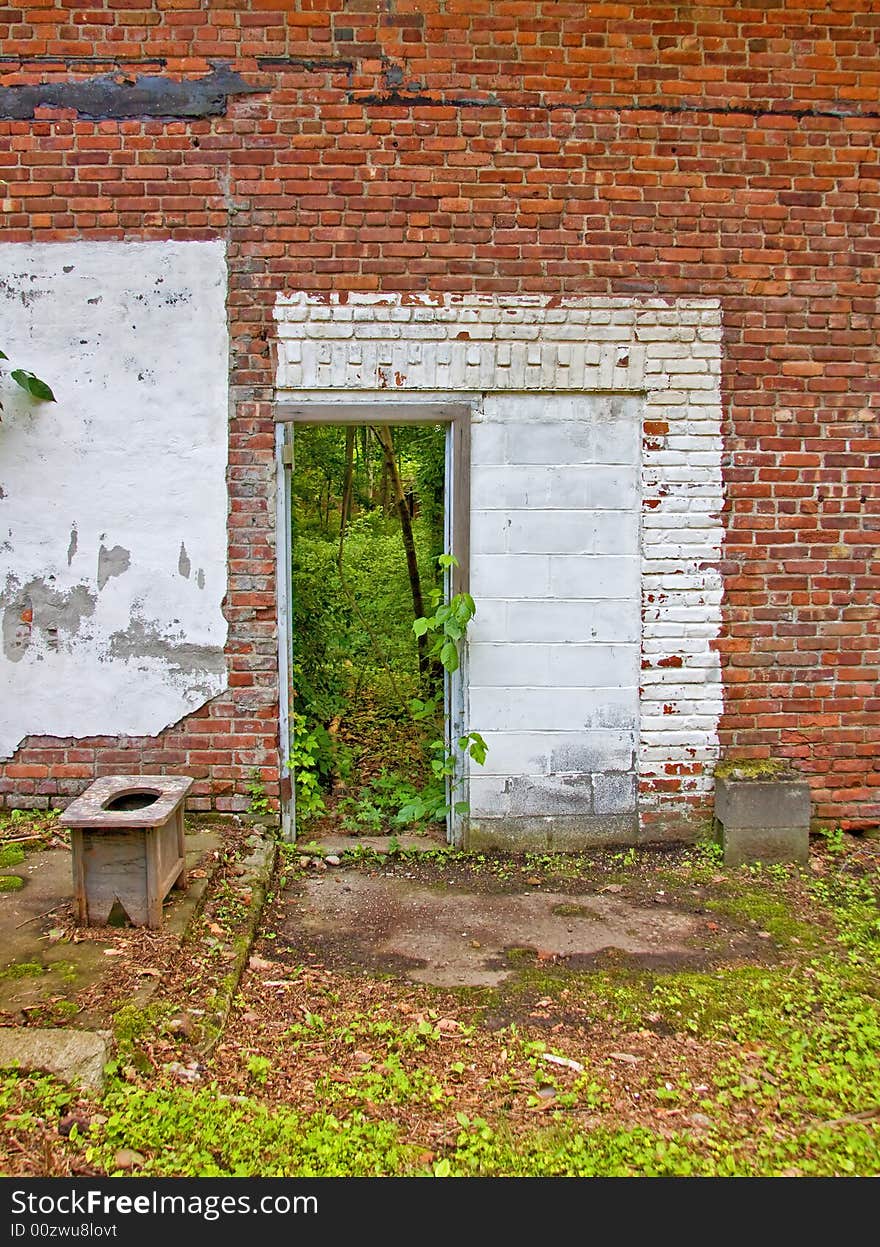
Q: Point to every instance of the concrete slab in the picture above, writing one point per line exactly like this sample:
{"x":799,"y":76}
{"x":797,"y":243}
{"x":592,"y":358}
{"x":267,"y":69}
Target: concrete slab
{"x":74,"y":1056}
{"x":454,"y":938}
{"x":34,"y":970}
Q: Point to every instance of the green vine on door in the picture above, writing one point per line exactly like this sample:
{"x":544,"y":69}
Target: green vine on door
{"x":444,"y":631}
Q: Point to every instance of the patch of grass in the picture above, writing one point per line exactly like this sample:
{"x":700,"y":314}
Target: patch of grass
{"x":753,"y":768}
{"x":11,"y":855}
{"x":768,"y":912}
{"x":29,"y":1100}
{"x":22,"y":970}
{"x":133,"y":1025}
{"x":563,"y":1151}
{"x":11,"y":883}
{"x":184,"y":1133}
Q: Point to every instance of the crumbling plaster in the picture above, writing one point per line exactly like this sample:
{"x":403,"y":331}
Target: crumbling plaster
{"x":113,"y":503}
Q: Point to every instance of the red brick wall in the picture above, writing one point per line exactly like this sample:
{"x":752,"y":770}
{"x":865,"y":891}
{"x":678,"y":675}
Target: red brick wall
{"x":504,"y":145}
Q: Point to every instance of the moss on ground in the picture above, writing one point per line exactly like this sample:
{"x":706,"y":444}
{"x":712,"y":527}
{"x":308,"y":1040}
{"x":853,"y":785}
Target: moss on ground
{"x":22,"y":970}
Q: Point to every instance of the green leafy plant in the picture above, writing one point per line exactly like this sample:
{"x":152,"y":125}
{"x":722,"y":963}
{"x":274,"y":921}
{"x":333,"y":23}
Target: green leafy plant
{"x":448,"y":623}
{"x":259,"y":1068}
{"x":833,"y":837}
{"x":445,"y":628}
{"x":310,"y":744}
{"x":30,"y":383}
{"x":259,"y":805}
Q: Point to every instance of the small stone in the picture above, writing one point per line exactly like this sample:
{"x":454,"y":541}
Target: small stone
{"x":259,"y":828}
{"x":182,"y":1024}
{"x":332,"y":860}
{"x":613,"y":887}
{"x":304,"y":861}
{"x":764,"y":935}
{"x":186,"y":1073}
{"x":127,"y":1158}
{"x":701,"y":1121}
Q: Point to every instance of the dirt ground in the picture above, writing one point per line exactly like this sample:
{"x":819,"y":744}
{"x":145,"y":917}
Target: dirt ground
{"x":489,"y":1012}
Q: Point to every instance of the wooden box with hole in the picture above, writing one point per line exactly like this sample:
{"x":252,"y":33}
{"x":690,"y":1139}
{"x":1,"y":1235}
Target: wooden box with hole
{"x":128,"y":846}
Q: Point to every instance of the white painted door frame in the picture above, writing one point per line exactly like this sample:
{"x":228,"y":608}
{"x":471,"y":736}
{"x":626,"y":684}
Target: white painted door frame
{"x":455,"y":412}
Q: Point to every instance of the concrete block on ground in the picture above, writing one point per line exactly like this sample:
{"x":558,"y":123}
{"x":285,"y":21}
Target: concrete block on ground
{"x":551,"y":834}
{"x":74,"y":1056}
{"x":763,"y":820}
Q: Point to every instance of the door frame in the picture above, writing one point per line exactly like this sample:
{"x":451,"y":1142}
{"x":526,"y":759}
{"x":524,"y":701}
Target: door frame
{"x":375,"y":409}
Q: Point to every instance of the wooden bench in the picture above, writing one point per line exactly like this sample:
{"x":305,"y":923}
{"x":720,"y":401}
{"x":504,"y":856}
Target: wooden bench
{"x":128,"y":846}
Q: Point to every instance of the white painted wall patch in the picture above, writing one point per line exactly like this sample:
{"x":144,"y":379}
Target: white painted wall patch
{"x":113,"y":500}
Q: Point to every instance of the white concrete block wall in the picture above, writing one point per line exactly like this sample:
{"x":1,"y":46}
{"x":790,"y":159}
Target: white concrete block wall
{"x":113,"y":503}
{"x":577,"y":552}
{"x":596,"y":533}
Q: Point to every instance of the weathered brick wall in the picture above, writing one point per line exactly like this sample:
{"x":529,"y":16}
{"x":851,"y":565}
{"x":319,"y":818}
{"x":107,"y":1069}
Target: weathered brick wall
{"x":724,"y":150}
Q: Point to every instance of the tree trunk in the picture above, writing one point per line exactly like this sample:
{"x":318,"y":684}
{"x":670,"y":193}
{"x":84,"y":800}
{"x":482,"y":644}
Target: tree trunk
{"x":386,"y":440}
{"x":345,"y":510}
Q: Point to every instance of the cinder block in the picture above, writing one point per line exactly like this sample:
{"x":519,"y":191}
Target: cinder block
{"x":763,"y":820}
{"x":519,"y":795}
{"x":594,"y":576}
{"x":614,"y":793}
{"x":561,"y":834}
{"x":551,"y":442}
{"x":753,"y":803}
{"x":588,"y":666}
{"x":765,"y":844}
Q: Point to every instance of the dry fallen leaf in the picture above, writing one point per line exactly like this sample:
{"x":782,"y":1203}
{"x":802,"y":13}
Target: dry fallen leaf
{"x":565,"y":1061}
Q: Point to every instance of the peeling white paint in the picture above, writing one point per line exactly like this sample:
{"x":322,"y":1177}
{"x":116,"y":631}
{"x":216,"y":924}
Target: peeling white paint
{"x":104,"y":492}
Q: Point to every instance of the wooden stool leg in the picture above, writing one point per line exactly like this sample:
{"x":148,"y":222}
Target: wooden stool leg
{"x":154,"y":895}
{"x":79,"y":877}
{"x":181,"y":881}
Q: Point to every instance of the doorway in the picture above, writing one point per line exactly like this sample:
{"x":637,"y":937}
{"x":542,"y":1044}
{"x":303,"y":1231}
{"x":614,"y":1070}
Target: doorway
{"x":373,"y":499}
